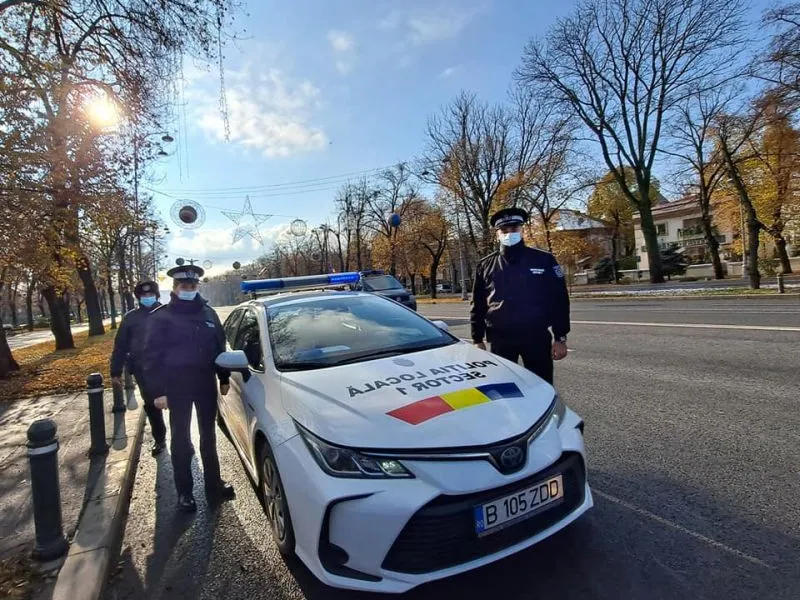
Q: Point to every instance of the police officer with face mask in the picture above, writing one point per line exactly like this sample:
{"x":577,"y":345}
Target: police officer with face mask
{"x":129,"y":347}
{"x":518,"y":297}
{"x":184,"y":338}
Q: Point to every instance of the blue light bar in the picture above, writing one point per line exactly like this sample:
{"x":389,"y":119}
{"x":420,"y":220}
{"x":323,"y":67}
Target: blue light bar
{"x":308,"y":281}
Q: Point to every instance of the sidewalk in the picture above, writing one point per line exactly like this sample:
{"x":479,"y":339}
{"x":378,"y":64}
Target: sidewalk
{"x":80,"y":477}
{"x":30,"y":338}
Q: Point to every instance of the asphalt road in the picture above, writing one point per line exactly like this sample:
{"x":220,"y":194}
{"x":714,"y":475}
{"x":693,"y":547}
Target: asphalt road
{"x":693,"y":436}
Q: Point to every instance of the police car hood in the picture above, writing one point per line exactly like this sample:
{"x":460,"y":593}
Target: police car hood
{"x":442,"y":398}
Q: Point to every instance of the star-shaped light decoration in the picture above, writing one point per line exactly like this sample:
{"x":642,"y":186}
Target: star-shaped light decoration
{"x":246,"y":229}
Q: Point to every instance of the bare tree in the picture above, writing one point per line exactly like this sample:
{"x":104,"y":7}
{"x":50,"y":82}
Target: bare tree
{"x":470,"y":154}
{"x":395,"y":193}
{"x":781,"y":64}
{"x":733,"y":133}
{"x":693,"y":130}
{"x":621,"y":66}
{"x":352,"y":203}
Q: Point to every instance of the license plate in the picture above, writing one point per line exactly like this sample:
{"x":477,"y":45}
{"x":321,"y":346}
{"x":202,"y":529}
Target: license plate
{"x":505,"y":511}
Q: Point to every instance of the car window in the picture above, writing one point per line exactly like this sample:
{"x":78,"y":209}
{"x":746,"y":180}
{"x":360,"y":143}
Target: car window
{"x":248,"y":339}
{"x":231,"y":325}
{"x":326,"y":331}
{"x":380,"y":283}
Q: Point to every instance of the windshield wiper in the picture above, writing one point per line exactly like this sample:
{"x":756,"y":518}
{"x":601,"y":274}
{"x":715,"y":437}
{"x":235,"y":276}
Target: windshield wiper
{"x":387,"y":353}
{"x":305,"y":365}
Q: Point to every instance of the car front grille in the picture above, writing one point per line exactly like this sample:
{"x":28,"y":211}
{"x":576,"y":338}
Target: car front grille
{"x":442,"y":533}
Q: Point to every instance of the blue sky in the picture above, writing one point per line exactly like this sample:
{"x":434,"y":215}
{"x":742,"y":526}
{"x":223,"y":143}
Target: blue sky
{"x":317,"y":89}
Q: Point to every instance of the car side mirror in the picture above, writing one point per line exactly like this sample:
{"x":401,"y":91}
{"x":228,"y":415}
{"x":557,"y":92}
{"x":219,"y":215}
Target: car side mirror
{"x":442,"y":325}
{"x":234,"y":361}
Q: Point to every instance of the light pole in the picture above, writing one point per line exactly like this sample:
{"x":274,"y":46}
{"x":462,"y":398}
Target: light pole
{"x":167,"y":139}
{"x":154,"y":249}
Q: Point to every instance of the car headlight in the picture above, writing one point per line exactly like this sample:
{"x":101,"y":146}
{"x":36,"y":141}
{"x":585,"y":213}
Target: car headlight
{"x":559,"y":410}
{"x":344,"y":462}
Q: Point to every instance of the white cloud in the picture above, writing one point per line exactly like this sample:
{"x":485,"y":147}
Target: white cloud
{"x":217,"y":245}
{"x":343,"y":47}
{"x":448,"y":72}
{"x":341,"y":41}
{"x":267,"y":111}
{"x":431,"y":24}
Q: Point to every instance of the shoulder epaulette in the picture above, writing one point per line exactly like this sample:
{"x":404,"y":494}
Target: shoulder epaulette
{"x":488,"y":256}
{"x":157,"y":308}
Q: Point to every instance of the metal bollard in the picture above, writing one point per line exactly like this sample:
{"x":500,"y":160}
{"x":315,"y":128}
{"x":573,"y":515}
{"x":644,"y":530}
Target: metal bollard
{"x":51,"y":542}
{"x":97,"y":418}
{"x":781,"y":288}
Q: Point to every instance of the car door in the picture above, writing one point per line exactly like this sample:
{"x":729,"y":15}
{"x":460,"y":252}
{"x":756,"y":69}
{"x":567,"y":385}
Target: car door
{"x":248,"y":340}
{"x":233,"y":398}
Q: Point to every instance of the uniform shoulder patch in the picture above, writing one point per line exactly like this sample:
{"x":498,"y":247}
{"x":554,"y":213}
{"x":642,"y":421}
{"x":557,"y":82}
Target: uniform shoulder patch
{"x":558,"y":271}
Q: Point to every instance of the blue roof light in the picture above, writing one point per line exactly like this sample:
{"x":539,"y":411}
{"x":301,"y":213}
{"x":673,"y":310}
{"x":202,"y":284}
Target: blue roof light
{"x":308,"y":281}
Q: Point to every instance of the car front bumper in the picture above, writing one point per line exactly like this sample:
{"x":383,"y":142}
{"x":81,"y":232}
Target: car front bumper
{"x":392,"y":535}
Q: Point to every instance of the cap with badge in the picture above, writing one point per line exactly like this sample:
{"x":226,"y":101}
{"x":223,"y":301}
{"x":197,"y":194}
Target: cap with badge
{"x":187,"y":273}
{"x":508,"y":216}
{"x":145,"y":287}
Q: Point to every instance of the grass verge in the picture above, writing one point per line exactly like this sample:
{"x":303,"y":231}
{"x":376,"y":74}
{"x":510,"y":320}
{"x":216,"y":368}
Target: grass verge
{"x":44,"y":371}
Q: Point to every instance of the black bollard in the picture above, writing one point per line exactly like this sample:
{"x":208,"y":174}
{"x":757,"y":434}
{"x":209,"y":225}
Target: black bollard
{"x":51,"y":542}
{"x":97,"y":418}
{"x":781,"y":288}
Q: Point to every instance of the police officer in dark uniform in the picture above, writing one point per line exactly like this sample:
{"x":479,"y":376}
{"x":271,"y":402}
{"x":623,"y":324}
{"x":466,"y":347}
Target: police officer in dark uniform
{"x":129,"y":347}
{"x":519,"y":295}
{"x":184,"y":338}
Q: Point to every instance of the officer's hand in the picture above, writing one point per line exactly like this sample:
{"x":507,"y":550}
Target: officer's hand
{"x":116,"y":381}
{"x":161,"y":402}
{"x":224,"y":388}
{"x":559,"y":350}
{"x":480,"y":345}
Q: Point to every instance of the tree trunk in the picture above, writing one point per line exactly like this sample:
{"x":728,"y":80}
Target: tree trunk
{"x":90,"y":297}
{"x":614,"y":253}
{"x":29,"y":305}
{"x":112,"y":303}
{"x":78,"y":311}
{"x":12,"y":303}
{"x":548,"y":238}
{"x":413,"y":278}
{"x":783,"y":255}
{"x":125,"y":284}
{"x":59,"y":319}
{"x":7,"y":363}
{"x":753,"y":229}
{"x":651,"y":241}
{"x":434,"y":271}
{"x":711,"y":240}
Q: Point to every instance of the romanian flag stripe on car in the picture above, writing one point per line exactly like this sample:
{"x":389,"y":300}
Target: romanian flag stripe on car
{"x":424,"y":410}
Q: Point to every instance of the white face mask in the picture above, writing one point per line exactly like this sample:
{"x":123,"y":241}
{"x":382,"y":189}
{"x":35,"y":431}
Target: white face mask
{"x":510,"y":239}
{"x":184,"y":295}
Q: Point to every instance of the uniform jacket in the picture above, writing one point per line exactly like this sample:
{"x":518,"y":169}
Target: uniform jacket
{"x":129,"y":343}
{"x":517,"y":291}
{"x":182,"y":336}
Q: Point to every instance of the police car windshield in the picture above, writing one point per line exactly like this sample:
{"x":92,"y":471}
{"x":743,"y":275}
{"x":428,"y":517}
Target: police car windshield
{"x":381,"y":283}
{"x":313,"y":333}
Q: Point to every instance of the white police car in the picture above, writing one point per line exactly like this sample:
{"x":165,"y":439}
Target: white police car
{"x":390,"y":453}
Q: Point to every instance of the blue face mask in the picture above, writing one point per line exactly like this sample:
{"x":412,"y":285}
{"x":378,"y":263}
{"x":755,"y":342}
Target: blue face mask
{"x":510,"y":239}
{"x":188,"y":296}
{"x":147,"y":301}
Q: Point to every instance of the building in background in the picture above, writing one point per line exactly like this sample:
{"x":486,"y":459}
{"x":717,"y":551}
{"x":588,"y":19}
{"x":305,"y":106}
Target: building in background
{"x":679,"y":223}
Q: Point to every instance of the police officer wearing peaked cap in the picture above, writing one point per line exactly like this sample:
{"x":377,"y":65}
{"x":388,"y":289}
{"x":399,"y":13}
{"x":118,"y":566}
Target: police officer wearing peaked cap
{"x":518,"y":297}
{"x":129,"y":347}
{"x":184,"y":338}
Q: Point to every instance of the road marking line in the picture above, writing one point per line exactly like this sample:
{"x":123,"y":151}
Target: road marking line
{"x":681,"y":528}
{"x":690,"y":325}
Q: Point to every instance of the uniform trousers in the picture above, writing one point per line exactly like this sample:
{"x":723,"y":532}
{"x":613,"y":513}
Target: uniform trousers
{"x":535,"y":349}
{"x":193,"y":388}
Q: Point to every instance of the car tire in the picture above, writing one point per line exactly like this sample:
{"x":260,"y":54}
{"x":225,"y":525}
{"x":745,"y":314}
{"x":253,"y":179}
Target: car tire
{"x":273,"y":497}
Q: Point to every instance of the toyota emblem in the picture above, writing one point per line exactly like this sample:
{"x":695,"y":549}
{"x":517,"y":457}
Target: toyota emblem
{"x":511,"y":457}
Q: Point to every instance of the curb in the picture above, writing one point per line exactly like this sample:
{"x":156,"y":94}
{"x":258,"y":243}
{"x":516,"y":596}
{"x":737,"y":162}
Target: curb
{"x":101,"y":525}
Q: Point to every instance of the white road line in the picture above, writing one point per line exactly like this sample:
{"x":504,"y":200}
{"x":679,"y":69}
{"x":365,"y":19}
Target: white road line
{"x":681,"y":528}
{"x":689,"y":325}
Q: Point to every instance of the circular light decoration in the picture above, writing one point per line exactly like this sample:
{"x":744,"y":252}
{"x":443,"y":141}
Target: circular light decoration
{"x":316,"y":256}
{"x":207,"y":264}
{"x":298,"y":227}
{"x":180,"y":262}
{"x":188,"y":214}
{"x":205,"y":279}
{"x":237,"y":265}
{"x":394,"y":220}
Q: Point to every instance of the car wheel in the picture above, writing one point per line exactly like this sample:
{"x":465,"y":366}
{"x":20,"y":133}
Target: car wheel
{"x":274,"y":498}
